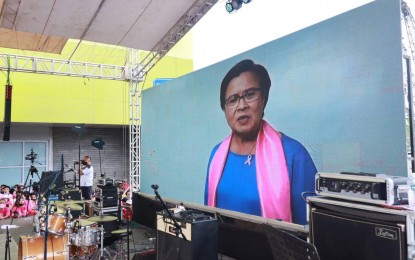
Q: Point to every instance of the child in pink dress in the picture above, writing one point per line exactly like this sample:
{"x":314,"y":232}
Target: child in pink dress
{"x":19,"y":209}
{"x":4,"y":211}
{"x":32,"y":205}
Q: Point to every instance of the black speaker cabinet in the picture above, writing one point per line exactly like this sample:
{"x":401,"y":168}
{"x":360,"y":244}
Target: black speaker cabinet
{"x":108,"y":195}
{"x":201,"y":234}
{"x":71,"y":194}
{"x":344,"y":230}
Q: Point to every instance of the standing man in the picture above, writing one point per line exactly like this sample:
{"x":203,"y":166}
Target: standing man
{"x":87,"y":177}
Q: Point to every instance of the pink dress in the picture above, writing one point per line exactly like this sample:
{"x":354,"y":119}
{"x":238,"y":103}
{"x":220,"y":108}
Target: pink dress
{"x":20,"y":210}
{"x":32,"y":208}
{"x":5,"y":212}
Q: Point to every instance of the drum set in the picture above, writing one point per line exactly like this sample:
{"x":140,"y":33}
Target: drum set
{"x":66,"y":238}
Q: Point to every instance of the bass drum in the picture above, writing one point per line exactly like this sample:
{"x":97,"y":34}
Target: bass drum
{"x":33,"y":248}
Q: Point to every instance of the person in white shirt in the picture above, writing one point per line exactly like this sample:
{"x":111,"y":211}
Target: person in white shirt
{"x":87,"y":177}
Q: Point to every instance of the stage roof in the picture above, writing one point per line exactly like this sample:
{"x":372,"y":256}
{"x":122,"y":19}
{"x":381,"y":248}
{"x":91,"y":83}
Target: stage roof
{"x":46,"y":25}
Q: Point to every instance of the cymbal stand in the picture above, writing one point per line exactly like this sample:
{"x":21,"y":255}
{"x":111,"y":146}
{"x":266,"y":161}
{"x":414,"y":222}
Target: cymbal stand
{"x":101,"y":205}
{"x":68,"y":229}
{"x":119,"y":208}
{"x":74,"y":176}
{"x":102,"y":240}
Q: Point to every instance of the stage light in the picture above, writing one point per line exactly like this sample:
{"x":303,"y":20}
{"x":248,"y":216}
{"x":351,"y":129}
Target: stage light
{"x":233,"y":5}
{"x":98,"y":143}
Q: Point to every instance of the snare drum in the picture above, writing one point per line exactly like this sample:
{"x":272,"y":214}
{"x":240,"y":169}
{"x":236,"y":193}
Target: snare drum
{"x":56,"y":225}
{"x":85,"y":233}
{"x":33,"y":247}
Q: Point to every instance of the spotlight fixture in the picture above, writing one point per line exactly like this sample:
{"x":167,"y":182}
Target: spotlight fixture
{"x":233,"y":5}
{"x":98,"y":143}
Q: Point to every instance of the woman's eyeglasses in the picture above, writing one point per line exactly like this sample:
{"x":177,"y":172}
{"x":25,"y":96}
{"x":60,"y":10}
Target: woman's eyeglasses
{"x":248,"y":96}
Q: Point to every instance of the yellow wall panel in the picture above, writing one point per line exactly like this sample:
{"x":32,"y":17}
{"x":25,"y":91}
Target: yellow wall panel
{"x":168,"y":67}
{"x":40,"y":98}
{"x":60,"y":99}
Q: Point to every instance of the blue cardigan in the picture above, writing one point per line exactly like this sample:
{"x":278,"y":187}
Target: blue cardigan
{"x":238,"y":190}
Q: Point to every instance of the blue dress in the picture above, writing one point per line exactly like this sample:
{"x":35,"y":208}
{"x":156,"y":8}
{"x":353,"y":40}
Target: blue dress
{"x":238,"y":189}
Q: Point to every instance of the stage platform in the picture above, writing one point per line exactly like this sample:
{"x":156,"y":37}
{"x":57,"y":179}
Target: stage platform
{"x":142,"y":241}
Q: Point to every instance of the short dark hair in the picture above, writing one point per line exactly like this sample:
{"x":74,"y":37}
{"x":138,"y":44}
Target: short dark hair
{"x":243,"y":66}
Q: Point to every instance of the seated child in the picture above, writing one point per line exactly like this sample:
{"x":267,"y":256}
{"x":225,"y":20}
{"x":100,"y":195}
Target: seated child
{"x":4,"y":211}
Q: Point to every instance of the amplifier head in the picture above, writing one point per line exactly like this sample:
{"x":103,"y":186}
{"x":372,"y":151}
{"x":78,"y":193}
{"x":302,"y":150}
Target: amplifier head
{"x":368,"y":188}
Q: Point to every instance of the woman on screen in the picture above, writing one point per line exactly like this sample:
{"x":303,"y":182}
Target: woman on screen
{"x":256,"y":169}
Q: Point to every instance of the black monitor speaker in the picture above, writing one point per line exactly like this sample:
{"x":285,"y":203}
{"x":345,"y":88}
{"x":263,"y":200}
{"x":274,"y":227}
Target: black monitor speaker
{"x":200,"y":241}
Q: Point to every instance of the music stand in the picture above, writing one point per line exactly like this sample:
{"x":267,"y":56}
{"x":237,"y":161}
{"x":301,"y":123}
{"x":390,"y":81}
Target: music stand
{"x":288,"y":246}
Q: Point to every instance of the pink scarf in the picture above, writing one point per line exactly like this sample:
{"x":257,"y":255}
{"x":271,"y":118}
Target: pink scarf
{"x":271,"y":171}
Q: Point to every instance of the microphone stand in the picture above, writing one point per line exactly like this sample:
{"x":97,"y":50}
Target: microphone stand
{"x":119,"y":208}
{"x":128,"y":231}
{"x":79,"y":163}
{"x":178,"y":229}
{"x":7,"y":246}
{"x":8,"y":237}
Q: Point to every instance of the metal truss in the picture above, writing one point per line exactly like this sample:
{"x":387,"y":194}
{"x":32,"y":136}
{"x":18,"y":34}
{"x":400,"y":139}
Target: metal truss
{"x":409,"y":54}
{"x":186,"y":22}
{"x":50,"y":66}
{"x":410,"y":27}
{"x":134,"y":125}
{"x":139,"y":71}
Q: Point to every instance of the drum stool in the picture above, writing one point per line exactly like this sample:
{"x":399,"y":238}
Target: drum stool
{"x":120,"y":237}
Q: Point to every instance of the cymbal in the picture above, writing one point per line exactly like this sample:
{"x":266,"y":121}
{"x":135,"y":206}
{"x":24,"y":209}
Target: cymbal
{"x":59,"y":210}
{"x":65,"y":206}
{"x":102,"y":218}
{"x":74,"y":207}
{"x":119,"y":231}
{"x":85,"y":222}
{"x":69,"y":201}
